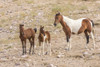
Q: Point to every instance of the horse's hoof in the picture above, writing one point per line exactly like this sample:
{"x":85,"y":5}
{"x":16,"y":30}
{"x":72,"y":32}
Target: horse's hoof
{"x":46,"y":53}
{"x":29,"y":53}
{"x":25,"y":52}
{"x":32,"y":53}
{"x":22,"y":53}
{"x":88,"y":49}
{"x":39,"y":54}
{"x":67,"y":49}
{"x":92,"y":49}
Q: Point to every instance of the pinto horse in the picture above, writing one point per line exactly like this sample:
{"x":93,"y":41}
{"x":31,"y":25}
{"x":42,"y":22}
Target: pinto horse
{"x":44,"y":37}
{"x":75,"y":26}
{"x":27,"y":34}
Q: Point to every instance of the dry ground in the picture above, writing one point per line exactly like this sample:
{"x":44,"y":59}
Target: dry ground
{"x":34,"y":13}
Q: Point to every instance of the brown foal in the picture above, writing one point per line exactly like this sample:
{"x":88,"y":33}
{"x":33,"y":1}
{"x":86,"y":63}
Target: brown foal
{"x":44,"y":37}
{"x":27,"y":34}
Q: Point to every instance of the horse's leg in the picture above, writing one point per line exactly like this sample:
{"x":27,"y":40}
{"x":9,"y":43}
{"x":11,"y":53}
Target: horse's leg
{"x":68,"y":42}
{"x":30,"y":46}
{"x":43,"y":47}
{"x":50,"y":48}
{"x":93,"y":40}
{"x":67,"y":39}
{"x":68,"y":35}
{"x":22,"y":47}
{"x":25,"y":45}
{"x":87,"y":38}
{"x":40,"y":46}
{"x":39,"y":43}
{"x":46,"y":45}
{"x":49,"y":40}
{"x":33,"y":44}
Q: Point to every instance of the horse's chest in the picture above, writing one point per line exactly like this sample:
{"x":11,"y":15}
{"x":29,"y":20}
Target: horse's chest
{"x":45,"y":37}
{"x":42,"y":37}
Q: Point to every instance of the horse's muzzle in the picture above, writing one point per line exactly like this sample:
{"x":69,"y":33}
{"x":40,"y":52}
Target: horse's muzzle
{"x":55,"y":24}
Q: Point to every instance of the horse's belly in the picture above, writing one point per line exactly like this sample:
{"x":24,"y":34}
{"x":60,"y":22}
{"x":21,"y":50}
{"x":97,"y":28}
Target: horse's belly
{"x":76,"y":28}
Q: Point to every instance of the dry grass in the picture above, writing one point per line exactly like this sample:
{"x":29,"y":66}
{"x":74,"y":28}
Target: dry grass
{"x":34,"y":13}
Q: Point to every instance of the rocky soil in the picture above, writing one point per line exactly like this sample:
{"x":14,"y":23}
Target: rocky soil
{"x":33,"y":13}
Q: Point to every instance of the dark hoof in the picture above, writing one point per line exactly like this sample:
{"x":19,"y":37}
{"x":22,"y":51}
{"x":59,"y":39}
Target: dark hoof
{"x":22,"y":53}
{"x":67,"y":49}
{"x":46,"y":53}
{"x":25,"y":52}
{"x":29,"y":53}
{"x":33,"y":53}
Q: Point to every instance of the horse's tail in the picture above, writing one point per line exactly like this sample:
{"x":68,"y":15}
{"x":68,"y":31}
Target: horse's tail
{"x":92,"y":23}
{"x":35,"y":29}
{"x":93,"y":30}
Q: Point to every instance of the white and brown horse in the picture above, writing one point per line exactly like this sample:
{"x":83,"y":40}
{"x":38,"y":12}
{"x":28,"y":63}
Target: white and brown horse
{"x":75,"y":26}
{"x":44,"y":38}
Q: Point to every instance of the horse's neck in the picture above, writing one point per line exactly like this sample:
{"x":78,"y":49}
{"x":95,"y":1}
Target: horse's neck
{"x":65,"y":20}
{"x":41,"y":31}
{"x":63,"y":24}
{"x":21,"y":31}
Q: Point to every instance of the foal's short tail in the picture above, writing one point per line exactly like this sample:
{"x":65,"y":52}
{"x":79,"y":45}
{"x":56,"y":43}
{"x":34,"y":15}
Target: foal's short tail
{"x":92,"y":26}
{"x":92,"y":23}
{"x":35,"y":29}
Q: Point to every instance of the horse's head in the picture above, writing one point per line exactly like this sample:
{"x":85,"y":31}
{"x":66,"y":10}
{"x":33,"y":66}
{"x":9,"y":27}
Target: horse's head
{"x":42,"y":30}
{"x":58,"y":18}
{"x":21,"y":26}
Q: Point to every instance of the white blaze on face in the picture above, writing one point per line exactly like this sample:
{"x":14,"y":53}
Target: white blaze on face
{"x":74,"y":25}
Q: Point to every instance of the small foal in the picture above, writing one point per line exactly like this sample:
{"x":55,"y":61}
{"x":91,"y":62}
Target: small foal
{"x":44,"y":37}
{"x":27,"y":34}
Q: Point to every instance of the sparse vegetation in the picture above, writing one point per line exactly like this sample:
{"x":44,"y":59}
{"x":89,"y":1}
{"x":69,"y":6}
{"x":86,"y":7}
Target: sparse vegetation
{"x":56,"y":9}
{"x":83,"y":7}
{"x":30,"y":1}
{"x":14,"y":0}
{"x":33,"y":13}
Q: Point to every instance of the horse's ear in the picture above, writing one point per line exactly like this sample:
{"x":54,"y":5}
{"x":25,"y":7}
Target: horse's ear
{"x":58,"y":13}
{"x":42,"y":26}
{"x":21,"y":24}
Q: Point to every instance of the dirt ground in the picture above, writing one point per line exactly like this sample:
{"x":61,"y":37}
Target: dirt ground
{"x":78,"y":56}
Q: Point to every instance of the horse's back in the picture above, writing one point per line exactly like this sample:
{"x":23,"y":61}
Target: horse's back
{"x":30,"y":32}
{"x":77,"y":25}
{"x":48,"y":35}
